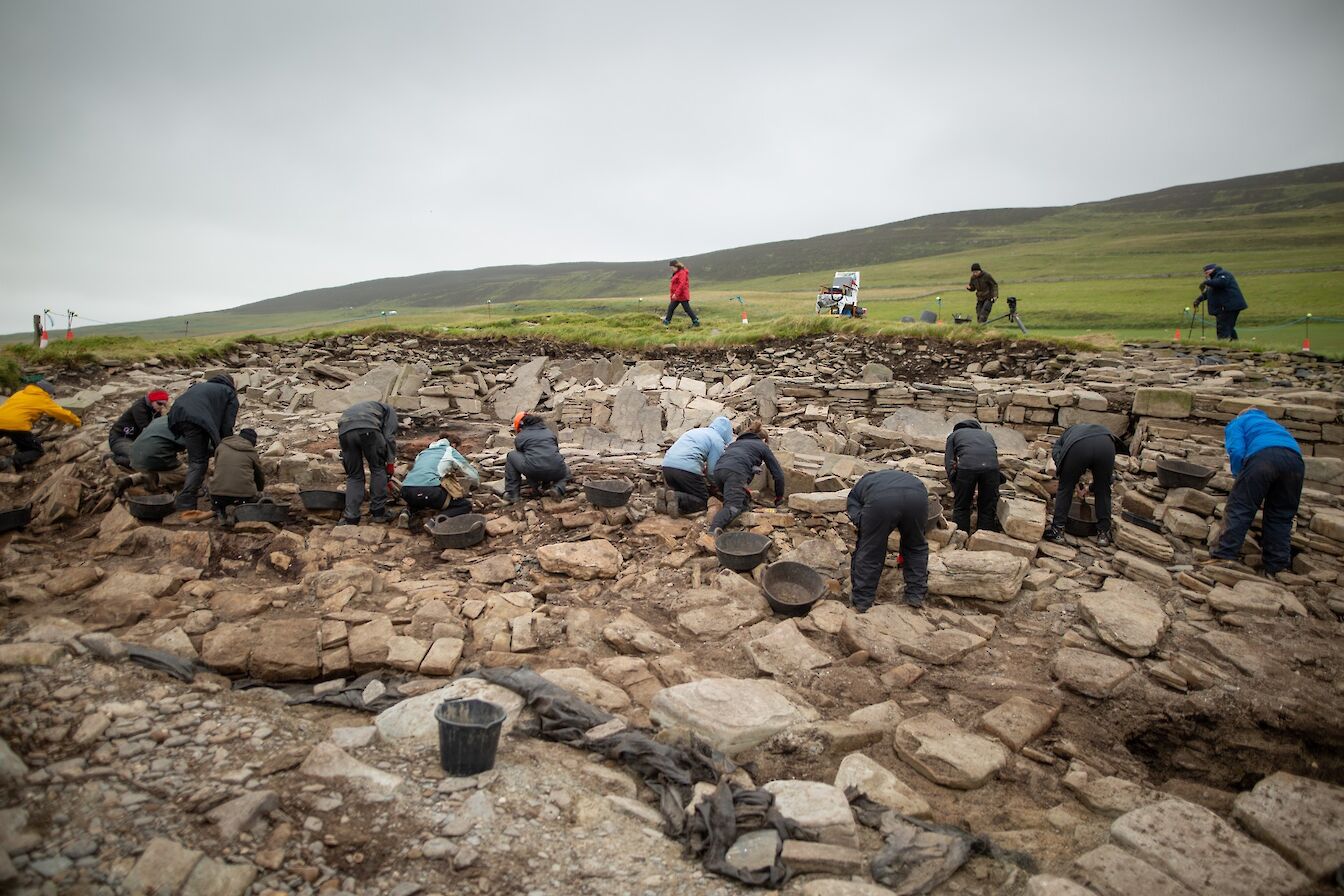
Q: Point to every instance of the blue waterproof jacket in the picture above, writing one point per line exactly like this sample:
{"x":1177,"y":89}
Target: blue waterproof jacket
{"x":1222,"y":292}
{"x":698,"y":450}
{"x":437,"y":461}
{"x":1253,"y":431}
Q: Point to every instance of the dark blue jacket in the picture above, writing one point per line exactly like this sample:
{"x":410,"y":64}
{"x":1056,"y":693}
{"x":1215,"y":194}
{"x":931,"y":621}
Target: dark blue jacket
{"x":1253,"y":431}
{"x":745,"y":456}
{"x":212,"y":405}
{"x":1222,"y":292}
{"x":969,"y":447}
{"x":882,"y":486}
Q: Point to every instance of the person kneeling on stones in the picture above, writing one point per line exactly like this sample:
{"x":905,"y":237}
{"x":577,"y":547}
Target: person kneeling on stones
{"x":1082,"y":448}
{"x":154,"y":453}
{"x":127,"y":428}
{"x":972,"y":461}
{"x":17,"y":416}
{"x":535,"y":457}
{"x":1267,"y":462}
{"x":202,"y":418}
{"x":440,"y":481}
{"x":737,"y":466}
{"x":688,"y":467}
{"x":368,"y":433}
{"x":237,"y":478}
{"x":882,"y":502}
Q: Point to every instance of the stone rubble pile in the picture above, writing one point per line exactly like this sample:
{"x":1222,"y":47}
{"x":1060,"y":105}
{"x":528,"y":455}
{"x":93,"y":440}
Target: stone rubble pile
{"x":1072,"y":702}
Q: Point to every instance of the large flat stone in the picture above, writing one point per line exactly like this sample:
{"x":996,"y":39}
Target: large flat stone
{"x":937,"y":748}
{"x":1018,"y":721}
{"x":1126,"y":616}
{"x":326,"y":760}
{"x":1301,"y":818}
{"x":786,"y":651}
{"x":1199,"y":849}
{"x":163,"y":866}
{"x":820,"y":808}
{"x":732,"y":714}
{"x":593,"y":559}
{"x":1090,"y":674}
{"x":413,"y":719}
{"x":985,"y":575}
{"x":286,"y":650}
{"x":880,"y":785}
{"x":1111,"y":871}
{"x":888,"y":631}
{"x":1157,"y":402}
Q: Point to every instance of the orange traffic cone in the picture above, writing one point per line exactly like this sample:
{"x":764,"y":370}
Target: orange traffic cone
{"x":744,"y":314}
{"x":1306,"y":343}
{"x":1177,"y":337}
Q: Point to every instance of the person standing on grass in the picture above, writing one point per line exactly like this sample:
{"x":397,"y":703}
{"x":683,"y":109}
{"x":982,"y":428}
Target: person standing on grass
{"x":972,"y":461}
{"x":736,"y":468}
{"x":1225,"y":300}
{"x":202,"y":418}
{"x":986,"y":290}
{"x":880,"y":503}
{"x":17,"y":416}
{"x":1267,"y":462}
{"x":679,"y":293}
{"x":368,"y":434}
{"x":688,"y":468}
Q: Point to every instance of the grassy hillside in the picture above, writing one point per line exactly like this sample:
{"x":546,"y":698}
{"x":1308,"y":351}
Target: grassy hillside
{"x":1126,"y":266}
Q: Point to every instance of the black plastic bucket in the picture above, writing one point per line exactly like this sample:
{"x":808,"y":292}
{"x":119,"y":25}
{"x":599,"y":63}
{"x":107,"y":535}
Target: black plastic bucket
{"x":468,"y":736}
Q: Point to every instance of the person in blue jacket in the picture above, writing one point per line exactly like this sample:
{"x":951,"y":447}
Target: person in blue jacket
{"x":1225,"y":299}
{"x":1267,"y":462}
{"x":688,"y":466}
{"x":440,"y":480}
{"x":736,"y":468}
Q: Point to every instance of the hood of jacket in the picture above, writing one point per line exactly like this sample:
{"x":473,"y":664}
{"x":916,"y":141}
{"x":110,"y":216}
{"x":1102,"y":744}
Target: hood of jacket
{"x":968,"y":424}
{"x":750,"y":436}
{"x":724,"y":427}
{"x":224,"y":380}
{"x":238,"y":443}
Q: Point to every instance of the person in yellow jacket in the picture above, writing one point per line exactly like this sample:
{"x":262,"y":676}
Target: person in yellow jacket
{"x":17,"y":416}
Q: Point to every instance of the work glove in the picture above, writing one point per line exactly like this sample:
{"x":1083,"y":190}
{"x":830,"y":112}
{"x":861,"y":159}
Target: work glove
{"x":391,"y":468}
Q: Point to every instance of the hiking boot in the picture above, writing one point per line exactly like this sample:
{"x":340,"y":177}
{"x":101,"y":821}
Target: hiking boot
{"x":667,"y":323}
{"x":510,"y":498}
{"x":1054,"y":535}
{"x":346,"y":521}
{"x":671,"y":503}
{"x":123,"y":483}
{"x":694,"y":324}
{"x":659,"y":500}
{"x":915,"y":603}
{"x":404,"y":520}
{"x":383,"y":517}
{"x":557,"y":492}
{"x":1103,"y":536}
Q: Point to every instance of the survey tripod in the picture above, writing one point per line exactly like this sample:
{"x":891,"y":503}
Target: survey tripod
{"x":1012,"y":316}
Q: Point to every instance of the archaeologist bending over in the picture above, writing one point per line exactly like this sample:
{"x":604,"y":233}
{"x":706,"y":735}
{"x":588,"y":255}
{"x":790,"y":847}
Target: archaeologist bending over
{"x":237,"y":478}
{"x":202,"y":418}
{"x":1081,"y":448}
{"x":972,"y":461}
{"x":440,"y":480}
{"x":1225,"y":299}
{"x":368,"y":434}
{"x":736,"y":467}
{"x":879,"y":503}
{"x":679,"y":293}
{"x":127,"y":428}
{"x":986,"y":290}
{"x":535,"y":457}
{"x":17,"y":416}
{"x":688,"y":466}
{"x":1267,"y":462}
{"x":154,"y":452}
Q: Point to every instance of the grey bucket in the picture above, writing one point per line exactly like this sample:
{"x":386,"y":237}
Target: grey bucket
{"x":468,"y":736}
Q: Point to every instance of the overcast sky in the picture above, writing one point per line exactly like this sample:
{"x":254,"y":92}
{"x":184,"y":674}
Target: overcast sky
{"x":176,"y":156}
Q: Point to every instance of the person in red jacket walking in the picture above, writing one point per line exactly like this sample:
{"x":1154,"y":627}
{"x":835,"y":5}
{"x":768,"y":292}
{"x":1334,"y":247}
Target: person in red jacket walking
{"x":679,"y":293}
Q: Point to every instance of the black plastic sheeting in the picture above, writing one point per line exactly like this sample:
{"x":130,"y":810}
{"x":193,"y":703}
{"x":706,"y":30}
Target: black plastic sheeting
{"x":349,"y":697}
{"x":671,"y":772}
{"x":161,"y":661}
{"x":918,"y":856}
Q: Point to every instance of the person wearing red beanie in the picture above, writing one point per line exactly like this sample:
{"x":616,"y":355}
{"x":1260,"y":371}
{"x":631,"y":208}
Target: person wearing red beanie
{"x":132,"y":422}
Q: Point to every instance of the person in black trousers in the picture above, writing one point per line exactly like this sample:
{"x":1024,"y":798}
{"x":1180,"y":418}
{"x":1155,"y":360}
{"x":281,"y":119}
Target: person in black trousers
{"x":972,"y":462}
{"x":879,"y":503}
{"x":202,"y":418}
{"x":736,"y":468}
{"x":1081,"y":448}
{"x":1267,"y":462}
{"x":368,"y":434}
{"x":535,"y":457}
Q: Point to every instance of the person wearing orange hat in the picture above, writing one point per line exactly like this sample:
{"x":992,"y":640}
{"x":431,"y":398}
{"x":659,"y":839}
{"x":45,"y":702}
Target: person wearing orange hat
{"x":535,"y":457}
{"x":127,"y":428}
{"x":17,"y":416}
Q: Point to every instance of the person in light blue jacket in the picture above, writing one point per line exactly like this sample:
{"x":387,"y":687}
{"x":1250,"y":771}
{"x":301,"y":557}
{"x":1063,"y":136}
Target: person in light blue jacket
{"x":688,"y":466}
{"x":1267,"y":462}
{"x":439,"y":480}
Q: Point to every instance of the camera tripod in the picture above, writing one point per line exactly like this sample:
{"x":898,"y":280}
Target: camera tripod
{"x":1012,"y":316}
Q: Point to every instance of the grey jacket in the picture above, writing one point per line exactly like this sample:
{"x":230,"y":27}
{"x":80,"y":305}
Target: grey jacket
{"x":969,"y":447}
{"x":1078,"y":432}
{"x":155,"y":450}
{"x":371,"y":415}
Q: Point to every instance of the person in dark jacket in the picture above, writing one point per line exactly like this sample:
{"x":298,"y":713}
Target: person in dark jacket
{"x":986,"y":290}
{"x":202,"y":418}
{"x":737,"y":466}
{"x":1267,"y":462}
{"x":535,"y":457}
{"x":879,"y":503}
{"x":972,"y":462}
{"x":1081,"y":448}
{"x":368,"y":434}
{"x":155,"y":452}
{"x":679,"y":293}
{"x":1225,"y":299}
{"x":237,"y":478}
{"x":127,"y":428}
